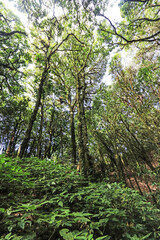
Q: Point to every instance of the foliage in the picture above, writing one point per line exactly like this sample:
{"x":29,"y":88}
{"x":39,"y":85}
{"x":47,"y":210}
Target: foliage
{"x":13,"y":52}
{"x":142,"y":21}
{"x":14,"y":57}
{"x":124,"y":120}
{"x":43,"y":199}
{"x":69,"y":117}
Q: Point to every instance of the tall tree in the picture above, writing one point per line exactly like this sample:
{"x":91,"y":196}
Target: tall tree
{"x":79,"y":69}
{"x":46,"y":45}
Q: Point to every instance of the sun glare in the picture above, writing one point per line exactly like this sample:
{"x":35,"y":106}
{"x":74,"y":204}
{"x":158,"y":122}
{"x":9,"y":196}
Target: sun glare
{"x":11,"y":5}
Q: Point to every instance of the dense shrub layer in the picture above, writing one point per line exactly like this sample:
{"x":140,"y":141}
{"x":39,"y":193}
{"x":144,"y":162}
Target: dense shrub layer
{"x":45,"y":200}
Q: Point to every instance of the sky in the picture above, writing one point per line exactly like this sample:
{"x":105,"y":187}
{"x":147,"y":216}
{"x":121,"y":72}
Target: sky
{"x":113,"y":10}
{"x":10,"y":5}
{"x":113,"y":14}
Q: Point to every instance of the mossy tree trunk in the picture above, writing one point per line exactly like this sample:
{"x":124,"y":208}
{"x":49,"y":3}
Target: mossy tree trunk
{"x":39,"y":147}
{"x":73,"y":138}
{"x":11,"y":145}
{"x":26,"y":139}
{"x":86,"y":165}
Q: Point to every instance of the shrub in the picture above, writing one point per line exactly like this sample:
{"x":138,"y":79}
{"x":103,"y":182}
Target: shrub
{"x":42,"y":199}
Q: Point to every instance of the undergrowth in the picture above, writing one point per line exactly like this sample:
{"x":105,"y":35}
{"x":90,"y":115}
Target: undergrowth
{"x":45,"y":200}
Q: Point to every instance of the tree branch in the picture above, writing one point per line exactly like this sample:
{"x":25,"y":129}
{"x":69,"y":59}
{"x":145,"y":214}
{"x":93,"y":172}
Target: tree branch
{"x":11,"y":33}
{"x":145,"y":39}
{"x":65,"y":39}
{"x":147,"y":19}
{"x":142,"y":1}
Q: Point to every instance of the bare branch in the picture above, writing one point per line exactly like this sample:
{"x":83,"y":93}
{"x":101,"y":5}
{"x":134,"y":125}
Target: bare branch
{"x":142,"y":1}
{"x":150,"y":38}
{"x":11,"y":33}
{"x":148,"y":19}
{"x":65,"y":39}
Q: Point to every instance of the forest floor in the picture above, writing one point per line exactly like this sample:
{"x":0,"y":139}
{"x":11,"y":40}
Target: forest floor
{"x":46,"y":200}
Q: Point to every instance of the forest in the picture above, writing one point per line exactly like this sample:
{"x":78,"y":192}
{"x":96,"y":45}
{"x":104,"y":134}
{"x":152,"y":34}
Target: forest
{"x":79,"y":157}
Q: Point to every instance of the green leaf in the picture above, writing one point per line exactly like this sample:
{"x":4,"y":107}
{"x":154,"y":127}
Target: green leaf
{"x":2,"y":210}
{"x":8,"y":236}
{"x":81,"y":214}
{"x":82,"y":219}
{"x":66,"y":234}
{"x":60,"y":203}
{"x":103,"y":238}
{"x":105,"y":220}
{"x":9,"y":211}
{"x":30,"y":236}
{"x":146,"y":237}
{"x":21,"y":224}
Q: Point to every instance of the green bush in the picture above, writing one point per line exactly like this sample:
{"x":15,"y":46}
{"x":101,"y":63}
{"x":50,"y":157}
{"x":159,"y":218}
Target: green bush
{"x":45,"y":200}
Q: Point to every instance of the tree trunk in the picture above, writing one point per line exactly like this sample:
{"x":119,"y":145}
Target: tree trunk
{"x":32,"y":146}
{"x":85,"y":160}
{"x":121,"y":169}
{"x":108,"y":150}
{"x":51,"y":134}
{"x":61,"y":143}
{"x":138,"y":185}
{"x":11,"y":144}
{"x":80,"y":127}
{"x":88,"y":158}
{"x":39,"y":151}
{"x":73,"y":139}
{"x":48,"y":147}
{"x":139,"y":146}
{"x":26,"y":139}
